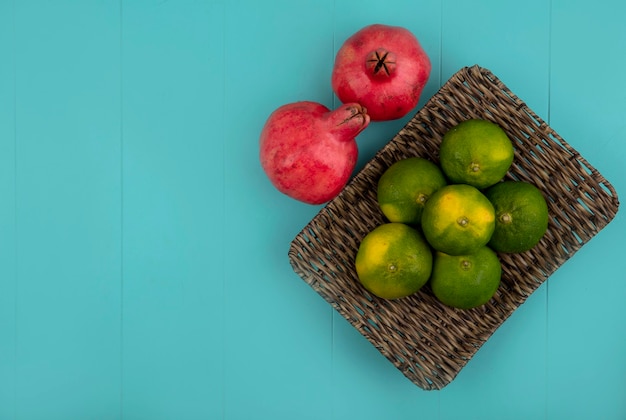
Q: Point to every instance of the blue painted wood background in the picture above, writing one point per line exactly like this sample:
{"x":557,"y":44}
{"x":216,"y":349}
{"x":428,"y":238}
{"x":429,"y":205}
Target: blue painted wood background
{"x":143,"y":254}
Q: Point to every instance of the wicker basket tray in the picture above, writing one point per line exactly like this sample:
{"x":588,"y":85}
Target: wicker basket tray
{"x":427,"y":341}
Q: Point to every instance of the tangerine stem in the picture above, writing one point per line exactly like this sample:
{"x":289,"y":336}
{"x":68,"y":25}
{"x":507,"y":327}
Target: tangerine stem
{"x":506,"y":218}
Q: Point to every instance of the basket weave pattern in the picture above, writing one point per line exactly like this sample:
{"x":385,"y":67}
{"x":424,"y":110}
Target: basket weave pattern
{"x":427,"y":341}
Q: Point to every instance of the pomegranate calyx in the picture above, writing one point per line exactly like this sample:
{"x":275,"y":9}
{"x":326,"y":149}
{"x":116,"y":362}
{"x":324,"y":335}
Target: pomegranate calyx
{"x":348,"y":121}
{"x":381,"y":63}
{"x":356,"y":111}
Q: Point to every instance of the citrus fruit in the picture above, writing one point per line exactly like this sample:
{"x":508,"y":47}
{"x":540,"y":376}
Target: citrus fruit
{"x":466,"y":281}
{"x":458,"y":219}
{"x":393,"y":261}
{"x":405,"y":186}
{"x":475,"y":152}
{"x":521,"y":216}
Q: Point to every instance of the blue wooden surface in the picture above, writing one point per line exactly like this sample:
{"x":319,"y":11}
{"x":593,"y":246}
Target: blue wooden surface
{"x":143,"y":253}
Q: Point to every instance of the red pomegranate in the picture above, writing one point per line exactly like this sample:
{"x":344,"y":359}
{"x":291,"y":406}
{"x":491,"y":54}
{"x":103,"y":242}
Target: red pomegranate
{"x":308,"y":151}
{"x":384,"y":68}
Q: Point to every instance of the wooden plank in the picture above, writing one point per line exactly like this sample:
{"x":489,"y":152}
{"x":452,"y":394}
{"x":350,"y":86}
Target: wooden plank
{"x":276,"y":329}
{"x":512,"y":40}
{"x":586,"y":312}
{"x":8,"y":266}
{"x":67,"y":110}
{"x":360,"y":372}
{"x":173,"y":225}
